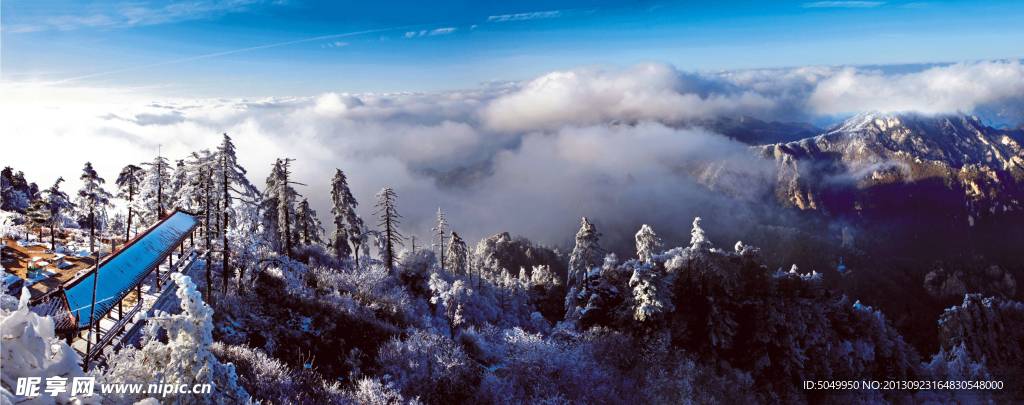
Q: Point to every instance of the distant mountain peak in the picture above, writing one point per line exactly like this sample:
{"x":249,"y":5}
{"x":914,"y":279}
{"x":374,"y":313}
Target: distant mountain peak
{"x":873,"y":149}
{"x":885,"y":121}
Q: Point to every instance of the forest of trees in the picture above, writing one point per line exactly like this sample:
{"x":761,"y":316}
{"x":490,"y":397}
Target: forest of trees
{"x":280,"y":312}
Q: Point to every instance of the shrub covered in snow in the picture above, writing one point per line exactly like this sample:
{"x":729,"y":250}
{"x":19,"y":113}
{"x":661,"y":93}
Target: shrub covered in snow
{"x":430,"y":366}
{"x":185,"y":358}
{"x":30,"y":349}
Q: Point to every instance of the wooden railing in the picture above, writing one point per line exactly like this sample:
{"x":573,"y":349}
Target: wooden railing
{"x":113,"y":331}
{"x":183,"y":258}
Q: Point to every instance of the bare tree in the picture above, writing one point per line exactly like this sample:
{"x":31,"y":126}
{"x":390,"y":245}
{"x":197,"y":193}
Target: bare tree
{"x":388,"y":216}
{"x":441,"y":222}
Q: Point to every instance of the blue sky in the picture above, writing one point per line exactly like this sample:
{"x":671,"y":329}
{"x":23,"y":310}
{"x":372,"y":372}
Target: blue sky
{"x":425,"y":46}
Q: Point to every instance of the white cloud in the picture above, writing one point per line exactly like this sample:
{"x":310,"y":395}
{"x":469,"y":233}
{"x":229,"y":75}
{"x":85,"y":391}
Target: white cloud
{"x":961,"y":86}
{"x":525,"y":16}
{"x":844,"y":4}
{"x":439,"y":31}
{"x":554,"y":156}
{"x":592,"y":95}
{"x":442,"y":31}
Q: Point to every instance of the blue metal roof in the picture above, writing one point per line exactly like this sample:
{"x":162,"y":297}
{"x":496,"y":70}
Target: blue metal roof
{"x":126,"y":268}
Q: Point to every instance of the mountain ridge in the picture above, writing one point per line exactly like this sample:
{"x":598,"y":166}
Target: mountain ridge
{"x":875,"y":149}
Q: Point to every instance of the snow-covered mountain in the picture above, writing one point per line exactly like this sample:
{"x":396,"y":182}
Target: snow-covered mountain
{"x":860,"y":162}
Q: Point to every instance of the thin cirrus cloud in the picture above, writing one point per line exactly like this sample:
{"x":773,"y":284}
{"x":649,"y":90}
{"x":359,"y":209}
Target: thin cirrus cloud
{"x":439,"y":31}
{"x":525,"y":16}
{"x":844,"y":4}
{"x":134,"y":14}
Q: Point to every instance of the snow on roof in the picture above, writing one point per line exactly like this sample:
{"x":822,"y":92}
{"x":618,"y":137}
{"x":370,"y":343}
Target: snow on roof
{"x":121,"y":272}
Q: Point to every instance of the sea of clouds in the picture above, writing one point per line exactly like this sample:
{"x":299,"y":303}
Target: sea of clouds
{"x":597,"y":141}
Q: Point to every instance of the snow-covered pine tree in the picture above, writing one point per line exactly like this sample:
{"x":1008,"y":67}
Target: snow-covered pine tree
{"x":698,"y":240}
{"x":439,"y":232}
{"x":307,"y":225}
{"x":362,"y":241}
{"x":647,"y":243}
{"x":586,"y":255}
{"x":190,"y":191}
{"x":93,"y":202}
{"x":179,"y":178}
{"x":38,"y":215}
{"x":388,"y":215}
{"x":195,"y":192}
{"x":128,"y":183}
{"x":269,"y":205}
{"x":232,"y":178}
{"x":153,"y":194}
{"x":458,"y":255}
{"x":349,"y":225}
{"x":118,"y":224}
{"x":60,"y":205}
{"x":652,"y":292}
{"x":279,"y":206}
{"x":16,"y":191}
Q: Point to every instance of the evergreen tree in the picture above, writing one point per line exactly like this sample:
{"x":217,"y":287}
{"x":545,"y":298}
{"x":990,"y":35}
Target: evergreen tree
{"x":279,"y":207}
{"x":179,"y":179}
{"x":388,"y":216}
{"x":38,"y":214}
{"x":128,"y":183}
{"x":458,"y":255}
{"x":349,"y":225}
{"x":232,"y":178}
{"x":269,"y":206}
{"x":586,"y":255}
{"x":59,"y":204}
{"x":307,"y":226}
{"x":647,"y":243}
{"x":651,"y":292}
{"x":93,"y":201}
{"x":698,"y":240}
{"x":16,"y":192}
{"x":439,"y":229}
{"x":154,"y":186}
{"x":118,"y":225}
{"x":191,"y":193}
